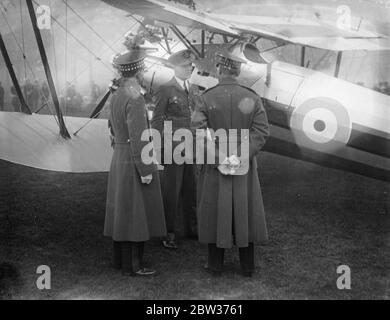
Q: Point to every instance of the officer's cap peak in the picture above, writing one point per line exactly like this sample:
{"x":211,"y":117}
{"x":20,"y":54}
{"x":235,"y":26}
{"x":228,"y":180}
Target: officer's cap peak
{"x":182,"y":58}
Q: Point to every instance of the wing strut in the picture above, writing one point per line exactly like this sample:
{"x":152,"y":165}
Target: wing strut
{"x":303,"y":56}
{"x":63,"y":131}
{"x":165,"y":35}
{"x":203,"y":35}
{"x":338,"y":64}
{"x":8,"y":63}
{"x":95,"y":113}
{"x":185,"y":41}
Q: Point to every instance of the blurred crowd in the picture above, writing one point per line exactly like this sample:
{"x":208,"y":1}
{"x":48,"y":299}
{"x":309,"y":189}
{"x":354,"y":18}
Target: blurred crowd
{"x":37,"y":96}
{"x":74,"y":103}
{"x":383,"y":87}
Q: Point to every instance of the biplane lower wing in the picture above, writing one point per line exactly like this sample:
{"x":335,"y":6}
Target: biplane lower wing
{"x":33,"y":140}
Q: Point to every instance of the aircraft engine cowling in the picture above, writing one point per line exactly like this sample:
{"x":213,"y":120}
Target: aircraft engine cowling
{"x":247,"y":51}
{"x":322,"y":124}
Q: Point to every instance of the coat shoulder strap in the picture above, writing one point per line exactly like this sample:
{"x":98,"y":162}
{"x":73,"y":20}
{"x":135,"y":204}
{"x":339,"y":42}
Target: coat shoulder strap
{"x":250,"y":89}
{"x":209,"y":89}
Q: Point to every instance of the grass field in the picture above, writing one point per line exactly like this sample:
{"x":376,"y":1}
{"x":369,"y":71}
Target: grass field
{"x":318,"y":219}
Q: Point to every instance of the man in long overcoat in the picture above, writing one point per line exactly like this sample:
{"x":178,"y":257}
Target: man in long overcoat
{"x":230,"y":207}
{"x":134,"y":209}
{"x":175,"y":101}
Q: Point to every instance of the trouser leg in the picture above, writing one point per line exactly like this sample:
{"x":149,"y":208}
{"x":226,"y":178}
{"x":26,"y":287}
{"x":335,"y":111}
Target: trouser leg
{"x":117,"y":255}
{"x":141,"y":249}
{"x":247,"y":259}
{"x":189,"y":200}
{"x":171,"y":190}
{"x":130,"y":257}
{"x":215,"y":257}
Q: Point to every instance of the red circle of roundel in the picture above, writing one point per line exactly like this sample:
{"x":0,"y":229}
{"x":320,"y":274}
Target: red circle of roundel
{"x":322,"y":124}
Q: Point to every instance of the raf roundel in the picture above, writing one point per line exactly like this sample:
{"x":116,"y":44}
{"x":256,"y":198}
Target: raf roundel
{"x":321,"y":123}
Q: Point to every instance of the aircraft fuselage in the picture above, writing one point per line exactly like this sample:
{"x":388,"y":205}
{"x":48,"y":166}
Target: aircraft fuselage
{"x":313,"y":116}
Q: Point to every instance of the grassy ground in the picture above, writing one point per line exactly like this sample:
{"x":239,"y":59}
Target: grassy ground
{"x":318,"y":219}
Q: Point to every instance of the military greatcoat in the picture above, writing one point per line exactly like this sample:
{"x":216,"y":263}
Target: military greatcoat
{"x":134,"y":211}
{"x":230,"y":207}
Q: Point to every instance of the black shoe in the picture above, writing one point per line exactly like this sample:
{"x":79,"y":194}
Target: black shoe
{"x":145,"y":272}
{"x":170,"y":242}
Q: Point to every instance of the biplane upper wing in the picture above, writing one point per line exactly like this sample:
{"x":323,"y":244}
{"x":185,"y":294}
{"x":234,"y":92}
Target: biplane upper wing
{"x":160,"y":11}
{"x":306,"y":32}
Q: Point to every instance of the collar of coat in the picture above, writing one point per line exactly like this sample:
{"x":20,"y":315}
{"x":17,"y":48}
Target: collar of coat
{"x":228,"y":80}
{"x":173,"y":82}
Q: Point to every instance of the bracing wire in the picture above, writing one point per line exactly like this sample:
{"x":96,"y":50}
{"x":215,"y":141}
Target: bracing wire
{"x":10,"y":28}
{"x":173,"y":47}
{"x":23,"y":43}
{"x":54,"y":47}
{"x":143,"y":25}
{"x":63,"y":89}
{"x":88,"y":25}
{"x":153,"y":64}
{"x":77,"y":40}
{"x":24,"y":55}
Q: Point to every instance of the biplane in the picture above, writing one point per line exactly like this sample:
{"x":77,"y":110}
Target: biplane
{"x":314,"y":116}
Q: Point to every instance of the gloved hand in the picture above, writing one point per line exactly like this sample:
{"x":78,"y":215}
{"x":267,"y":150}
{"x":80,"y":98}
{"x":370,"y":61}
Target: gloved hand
{"x":234,"y":163}
{"x":147,"y":180}
{"x":224,"y":167}
{"x":229,"y":165}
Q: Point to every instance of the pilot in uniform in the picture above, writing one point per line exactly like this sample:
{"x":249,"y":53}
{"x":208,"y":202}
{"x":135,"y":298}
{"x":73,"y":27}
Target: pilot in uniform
{"x":134,"y":207}
{"x":174,"y":101}
{"x":230,"y":206}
